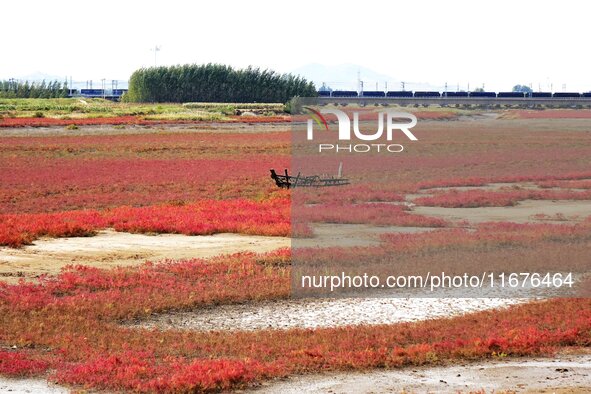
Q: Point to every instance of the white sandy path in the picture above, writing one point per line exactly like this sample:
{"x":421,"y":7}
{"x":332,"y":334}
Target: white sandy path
{"x":30,"y":386}
{"x":561,"y":374}
{"x":315,"y":313}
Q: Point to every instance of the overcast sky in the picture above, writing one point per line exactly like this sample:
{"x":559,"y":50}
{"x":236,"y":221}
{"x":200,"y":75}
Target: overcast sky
{"x":497,"y":43}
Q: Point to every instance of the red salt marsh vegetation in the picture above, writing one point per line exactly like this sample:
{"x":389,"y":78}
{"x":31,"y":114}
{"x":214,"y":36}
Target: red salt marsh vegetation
{"x":501,"y":198}
{"x":70,"y":328}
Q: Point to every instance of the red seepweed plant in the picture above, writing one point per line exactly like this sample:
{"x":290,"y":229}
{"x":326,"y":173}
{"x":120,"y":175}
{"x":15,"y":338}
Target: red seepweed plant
{"x":268,"y":217}
{"x":69,"y":327}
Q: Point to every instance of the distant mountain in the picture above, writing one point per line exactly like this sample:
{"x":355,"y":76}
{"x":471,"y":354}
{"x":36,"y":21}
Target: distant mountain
{"x":39,"y":76}
{"x":344,"y":77}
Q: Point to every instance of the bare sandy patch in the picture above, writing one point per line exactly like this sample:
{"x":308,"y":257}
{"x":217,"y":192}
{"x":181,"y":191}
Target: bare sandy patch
{"x":528,"y":211}
{"x":110,"y":248}
{"x":560,"y":374}
{"x":349,"y":235}
{"x":30,"y":386}
{"x":316,"y":313}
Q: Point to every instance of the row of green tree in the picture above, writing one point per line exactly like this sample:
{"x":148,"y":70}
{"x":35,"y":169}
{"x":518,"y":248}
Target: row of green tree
{"x":18,"y":89}
{"x":215,"y":83}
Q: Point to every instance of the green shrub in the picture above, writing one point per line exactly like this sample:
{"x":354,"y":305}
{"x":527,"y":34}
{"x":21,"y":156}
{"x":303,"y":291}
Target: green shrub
{"x":214,"y":83}
{"x":294,"y":106}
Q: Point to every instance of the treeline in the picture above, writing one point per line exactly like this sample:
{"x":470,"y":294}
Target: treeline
{"x":215,"y":83}
{"x":18,"y":89}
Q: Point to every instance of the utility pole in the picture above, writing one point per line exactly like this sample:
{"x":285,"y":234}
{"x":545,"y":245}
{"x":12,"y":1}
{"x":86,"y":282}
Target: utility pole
{"x":403,"y":86}
{"x":103,"y":87}
{"x":156,"y":49}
